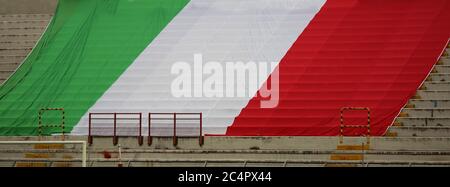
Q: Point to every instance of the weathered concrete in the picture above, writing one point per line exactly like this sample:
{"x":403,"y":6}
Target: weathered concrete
{"x":438,"y":85}
{"x":239,"y":151}
{"x":442,"y":68}
{"x":440,"y":76}
{"x":434,"y":94}
{"x":265,"y":143}
{"x":422,"y":131}
{"x":27,"y":6}
{"x":422,"y":103}
{"x":417,"y":121}
{"x":429,"y":114}
{"x":18,"y":35}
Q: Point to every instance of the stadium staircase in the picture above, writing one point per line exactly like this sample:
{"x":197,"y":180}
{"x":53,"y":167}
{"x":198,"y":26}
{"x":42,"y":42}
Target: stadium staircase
{"x":59,"y":156}
{"x":18,"y":35}
{"x":428,"y":113}
{"x":37,"y":154}
{"x":239,"y":152}
{"x":419,"y":137}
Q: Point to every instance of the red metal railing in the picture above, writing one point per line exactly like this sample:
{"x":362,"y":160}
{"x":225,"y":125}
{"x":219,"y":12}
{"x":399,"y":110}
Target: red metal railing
{"x":342,"y":125}
{"x":174,"y":117}
{"x":114,"y":116}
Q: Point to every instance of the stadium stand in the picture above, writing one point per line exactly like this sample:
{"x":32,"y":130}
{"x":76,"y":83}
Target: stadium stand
{"x":428,"y":113}
{"x":83,"y":66}
{"x":256,"y":151}
{"x":19,"y":34}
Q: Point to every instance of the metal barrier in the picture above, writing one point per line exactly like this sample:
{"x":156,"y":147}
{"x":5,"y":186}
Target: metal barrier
{"x":114,"y":117}
{"x":61,"y":125}
{"x":173,"y":118}
{"x":342,"y":125}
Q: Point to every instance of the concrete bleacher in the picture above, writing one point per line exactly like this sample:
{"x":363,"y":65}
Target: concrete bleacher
{"x":420,"y":135}
{"x":18,"y":35}
{"x":244,"y":152}
{"x":428,"y":113}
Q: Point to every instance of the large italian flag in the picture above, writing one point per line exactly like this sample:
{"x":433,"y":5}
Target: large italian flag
{"x":118,"y":56}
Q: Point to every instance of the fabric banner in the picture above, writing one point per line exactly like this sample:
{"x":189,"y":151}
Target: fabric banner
{"x":354,"y":53}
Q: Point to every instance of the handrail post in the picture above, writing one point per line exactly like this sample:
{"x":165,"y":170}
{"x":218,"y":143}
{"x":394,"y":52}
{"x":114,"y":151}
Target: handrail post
{"x":115,"y":140}
{"x":341,"y":127}
{"x":368,"y":126}
{"x":62,"y":123}
{"x":89,"y":129}
{"x":120,"y":157}
{"x":201,"y":138}
{"x":149,"y":139}
{"x":175,"y":141}
{"x":140,"y":138}
{"x":40,"y":123}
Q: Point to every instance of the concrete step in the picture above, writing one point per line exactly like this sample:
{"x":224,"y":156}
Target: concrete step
{"x":18,"y":44}
{"x":305,"y":156}
{"x":63,"y":164}
{"x":442,"y":68}
{"x":16,"y":48}
{"x":137,"y":154}
{"x":40,"y":163}
{"x":24,"y":23}
{"x":7,"y":163}
{"x":421,"y":131}
{"x":31,"y":30}
{"x":37,"y":155}
{"x":262,"y":143}
{"x":5,"y":74}
{"x":353,"y":147}
{"x":23,"y":17}
{"x":250,"y":163}
{"x":416,"y":121}
{"x":12,"y":58}
{"x":357,"y":156}
{"x":33,"y":155}
{"x":257,"y":163}
{"x":420,"y":103}
{"x":142,"y":155}
{"x":440,"y":76}
{"x":265,"y":163}
{"x":340,"y":165}
{"x":444,"y":61}
{"x":433,"y":94}
{"x":31,"y":164}
{"x":16,"y":52}
{"x":428,"y":113}
{"x":19,"y":37}
{"x":438,"y":85}
{"x":49,"y":146}
{"x":242,"y":151}
{"x":8,"y":66}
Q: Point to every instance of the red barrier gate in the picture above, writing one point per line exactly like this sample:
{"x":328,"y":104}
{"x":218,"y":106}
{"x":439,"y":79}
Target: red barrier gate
{"x":41,"y":126}
{"x":342,"y":125}
{"x":115,"y":118}
{"x":174,"y":119}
